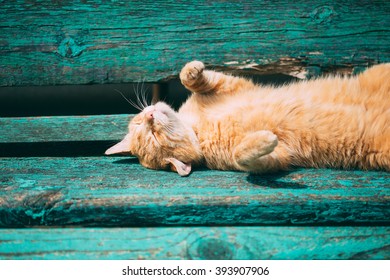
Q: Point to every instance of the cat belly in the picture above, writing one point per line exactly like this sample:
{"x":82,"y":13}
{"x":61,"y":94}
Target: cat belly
{"x":218,"y":154}
{"x":325,"y":136}
{"x":344,"y":137}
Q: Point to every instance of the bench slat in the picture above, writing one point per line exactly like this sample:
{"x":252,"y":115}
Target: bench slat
{"x":63,"y":128}
{"x":197,"y":243}
{"x":118,"y":41}
{"x":117,"y":191}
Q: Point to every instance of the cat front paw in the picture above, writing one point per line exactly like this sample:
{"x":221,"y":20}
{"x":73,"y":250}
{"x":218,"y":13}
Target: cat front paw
{"x":267,"y":141}
{"x":191,"y":72}
{"x":254,"y":147}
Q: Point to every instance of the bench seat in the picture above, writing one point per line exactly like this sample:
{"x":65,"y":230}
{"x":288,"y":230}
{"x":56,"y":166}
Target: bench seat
{"x":110,"y":205}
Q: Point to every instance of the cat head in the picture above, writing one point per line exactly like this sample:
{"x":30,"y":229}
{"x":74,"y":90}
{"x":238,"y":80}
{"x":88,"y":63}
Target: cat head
{"x":160,"y":140}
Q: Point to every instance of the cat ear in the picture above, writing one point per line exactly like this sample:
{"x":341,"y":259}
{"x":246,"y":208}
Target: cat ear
{"x":182,"y":168}
{"x":123,"y":147}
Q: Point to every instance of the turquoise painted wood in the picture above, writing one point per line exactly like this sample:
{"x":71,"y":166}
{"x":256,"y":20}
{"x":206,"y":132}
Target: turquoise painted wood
{"x":63,"y":128}
{"x":275,"y":243}
{"x":291,"y":215}
{"x":70,"y":42}
{"x":117,"y":191}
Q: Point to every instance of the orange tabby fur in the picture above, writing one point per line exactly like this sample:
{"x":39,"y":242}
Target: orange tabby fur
{"x":229,"y":123}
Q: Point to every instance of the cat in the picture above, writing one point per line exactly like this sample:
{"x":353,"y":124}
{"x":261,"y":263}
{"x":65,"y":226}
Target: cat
{"x":230,"y":123}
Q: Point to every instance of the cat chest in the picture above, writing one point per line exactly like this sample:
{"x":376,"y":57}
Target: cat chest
{"x":217,"y":142}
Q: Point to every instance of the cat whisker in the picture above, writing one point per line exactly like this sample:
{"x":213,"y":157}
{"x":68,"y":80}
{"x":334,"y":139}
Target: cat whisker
{"x":129,"y":101}
{"x":137,"y":94}
{"x":143,"y":94}
{"x":170,"y":128}
{"x":140,"y":92}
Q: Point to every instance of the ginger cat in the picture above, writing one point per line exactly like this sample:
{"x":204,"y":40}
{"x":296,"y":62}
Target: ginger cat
{"x":229,"y":123}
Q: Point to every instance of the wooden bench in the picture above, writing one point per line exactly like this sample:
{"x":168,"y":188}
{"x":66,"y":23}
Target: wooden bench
{"x":60,"y":198}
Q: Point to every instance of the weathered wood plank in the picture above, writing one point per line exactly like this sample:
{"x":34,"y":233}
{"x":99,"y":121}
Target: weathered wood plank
{"x":274,"y":243}
{"x":63,"y":128}
{"x":65,"y":42}
{"x":105,"y":191}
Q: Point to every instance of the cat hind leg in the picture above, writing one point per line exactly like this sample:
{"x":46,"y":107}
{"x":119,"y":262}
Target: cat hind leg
{"x":379,"y":157}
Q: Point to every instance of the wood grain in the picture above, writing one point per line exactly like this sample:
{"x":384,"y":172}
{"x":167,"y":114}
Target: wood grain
{"x":224,"y":243}
{"x":117,"y":191}
{"x":66,"y":42}
{"x":63,"y":128}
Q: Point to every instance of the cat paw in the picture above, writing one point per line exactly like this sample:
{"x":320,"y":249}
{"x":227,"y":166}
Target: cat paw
{"x":254,"y":146}
{"x":191,"y":72}
{"x":268,"y":141}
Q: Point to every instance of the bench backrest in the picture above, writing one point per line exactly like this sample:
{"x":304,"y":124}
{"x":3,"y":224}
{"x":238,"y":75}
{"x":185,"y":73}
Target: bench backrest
{"x":67,"y":42}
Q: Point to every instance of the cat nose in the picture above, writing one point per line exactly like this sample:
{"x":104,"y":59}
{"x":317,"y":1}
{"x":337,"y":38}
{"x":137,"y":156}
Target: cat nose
{"x":149,"y":115}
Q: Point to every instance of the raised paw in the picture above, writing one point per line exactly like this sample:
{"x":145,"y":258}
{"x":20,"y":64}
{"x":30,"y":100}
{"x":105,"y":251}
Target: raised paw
{"x":191,"y":72}
{"x":267,"y":140}
{"x":254,"y":146}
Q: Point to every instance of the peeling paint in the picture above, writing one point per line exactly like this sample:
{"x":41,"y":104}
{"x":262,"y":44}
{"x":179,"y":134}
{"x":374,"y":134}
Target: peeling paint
{"x":128,"y":41}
